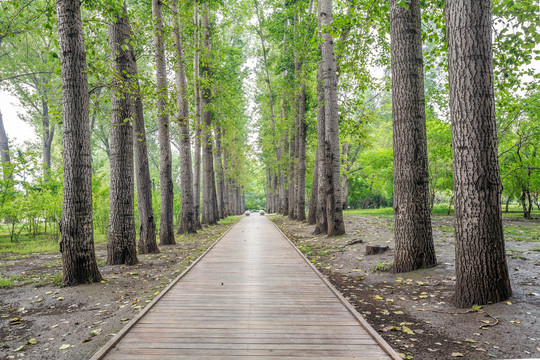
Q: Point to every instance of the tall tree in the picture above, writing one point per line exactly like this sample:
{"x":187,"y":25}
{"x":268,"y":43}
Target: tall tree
{"x":188,"y":223}
{"x":76,"y":226}
{"x":121,"y":247}
{"x":208,"y":199}
{"x":481,"y":269}
{"x":218,"y":164}
{"x":166,"y":233}
{"x":412,"y":217}
{"x":197,"y":103}
{"x":334,"y":211}
{"x":147,"y":225}
{"x":321,"y":222}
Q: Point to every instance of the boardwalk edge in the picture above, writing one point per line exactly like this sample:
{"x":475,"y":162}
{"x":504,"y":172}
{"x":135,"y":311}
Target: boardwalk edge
{"x":100,"y":354}
{"x":370,"y":330}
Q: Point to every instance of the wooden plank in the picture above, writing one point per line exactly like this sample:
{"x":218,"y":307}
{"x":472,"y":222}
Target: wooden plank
{"x":252,"y":296}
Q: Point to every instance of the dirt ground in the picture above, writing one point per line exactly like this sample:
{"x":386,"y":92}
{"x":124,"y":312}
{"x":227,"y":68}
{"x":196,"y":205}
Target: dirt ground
{"x":41,"y":320}
{"x":413,"y":311}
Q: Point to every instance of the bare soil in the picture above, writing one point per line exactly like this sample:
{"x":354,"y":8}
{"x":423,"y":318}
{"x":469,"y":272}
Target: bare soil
{"x":413,"y":311}
{"x":41,"y":320}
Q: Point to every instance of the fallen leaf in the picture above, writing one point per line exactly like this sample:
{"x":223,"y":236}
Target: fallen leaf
{"x":457,"y":354}
{"x":508,"y":303}
{"x":407,"y":330}
{"x":398,"y":312}
{"x":19,"y":348}
{"x":65,"y":347}
{"x":470,"y":341}
{"x":32,"y":341}
{"x":377,"y":297}
{"x":95,"y":332}
{"x":15,"y":321}
{"x":61,"y":298}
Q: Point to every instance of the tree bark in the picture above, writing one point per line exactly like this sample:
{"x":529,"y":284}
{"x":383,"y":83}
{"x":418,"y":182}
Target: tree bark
{"x":47,"y":137}
{"x":121,"y":246}
{"x":208,"y":202}
{"x":166,"y":233}
{"x":301,"y":174}
{"x":188,"y":222}
{"x":312,"y":212}
{"x":147,"y":225}
{"x":292,"y":152}
{"x":345,"y":176}
{"x":219,"y":172}
{"x":481,"y":269}
{"x":334,"y":212}
{"x":197,"y":103}
{"x":76,"y":226}
{"x":412,"y":216}
{"x":321,"y":223}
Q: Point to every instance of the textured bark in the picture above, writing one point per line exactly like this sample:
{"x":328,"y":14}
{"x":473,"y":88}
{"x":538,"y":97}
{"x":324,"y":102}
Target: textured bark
{"x":334,"y":211}
{"x":76,"y":227}
{"x":481,"y":269}
{"x":412,"y":217}
{"x":292,"y":151}
{"x":121,"y":246}
{"x":208,"y":188}
{"x":344,"y":176}
{"x":188,"y":222}
{"x":48,"y":134}
{"x":312,"y":212}
{"x":219,"y":172}
{"x":166,"y":233}
{"x":4,"y":150}
{"x":321,"y":223}
{"x":301,"y":173}
{"x":197,"y":103}
{"x":147,"y":225}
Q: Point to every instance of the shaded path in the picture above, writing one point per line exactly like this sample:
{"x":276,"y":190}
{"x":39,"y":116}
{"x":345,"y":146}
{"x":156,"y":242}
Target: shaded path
{"x":251,"y":296}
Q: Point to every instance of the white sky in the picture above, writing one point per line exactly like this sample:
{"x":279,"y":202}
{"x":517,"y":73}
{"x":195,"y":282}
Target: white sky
{"x":17,"y":130}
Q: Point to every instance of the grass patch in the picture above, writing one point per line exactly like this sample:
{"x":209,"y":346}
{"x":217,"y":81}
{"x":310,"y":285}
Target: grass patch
{"x":7,"y":282}
{"x":446,"y":229}
{"x":41,"y":244}
{"x":522,"y":233}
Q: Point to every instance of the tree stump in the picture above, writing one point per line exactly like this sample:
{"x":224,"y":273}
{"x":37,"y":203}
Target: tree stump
{"x":375,"y":249}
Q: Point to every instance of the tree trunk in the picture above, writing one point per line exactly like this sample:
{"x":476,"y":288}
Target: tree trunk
{"x":526,"y":211}
{"x":412,"y":216}
{"x":508,"y":203}
{"x":450,"y":205}
{"x":312,"y":212}
{"x":301,"y":175}
{"x":147,"y":225}
{"x":166,"y":233}
{"x":529,"y":209}
{"x":207,"y":208}
{"x":121,"y":247}
{"x":219,"y":172}
{"x":345,"y":177}
{"x":292,"y":197}
{"x":76,"y":226}
{"x":47,"y":138}
{"x":197,"y":102}
{"x":188,"y":222}
{"x":481,"y":270}
{"x":321,"y":223}
{"x":334,"y":212}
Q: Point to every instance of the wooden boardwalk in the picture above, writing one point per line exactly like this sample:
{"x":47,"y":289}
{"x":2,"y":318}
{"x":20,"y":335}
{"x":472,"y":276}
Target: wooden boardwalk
{"x":252,"y":295}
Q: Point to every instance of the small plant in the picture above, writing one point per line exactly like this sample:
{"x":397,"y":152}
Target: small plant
{"x":384,"y":266}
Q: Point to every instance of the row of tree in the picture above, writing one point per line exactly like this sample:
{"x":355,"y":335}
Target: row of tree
{"x":191,"y":41}
{"x":298,"y":59}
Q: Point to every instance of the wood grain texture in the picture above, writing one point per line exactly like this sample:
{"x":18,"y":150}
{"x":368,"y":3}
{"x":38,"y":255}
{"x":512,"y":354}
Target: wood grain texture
{"x":252,"y":296}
